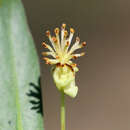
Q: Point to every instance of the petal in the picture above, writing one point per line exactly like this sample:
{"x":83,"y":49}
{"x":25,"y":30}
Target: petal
{"x":71,"y":90}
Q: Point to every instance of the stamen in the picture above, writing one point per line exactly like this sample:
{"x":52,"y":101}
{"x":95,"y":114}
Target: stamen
{"x":49,"y":36}
{"x":67,"y":44}
{"x":83,"y":44}
{"x":48,"y":47}
{"x":71,"y":35}
{"x":62,"y":36}
{"x":75,"y":56}
{"x":57,"y":31}
{"x":75,"y":46}
{"x":48,"y":53}
{"x":50,"y":61}
{"x":57,"y":45}
{"x":64,"y":40}
{"x":57,"y":37}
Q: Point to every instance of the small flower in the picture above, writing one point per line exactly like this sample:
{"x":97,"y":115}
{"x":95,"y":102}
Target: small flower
{"x":62,"y":54}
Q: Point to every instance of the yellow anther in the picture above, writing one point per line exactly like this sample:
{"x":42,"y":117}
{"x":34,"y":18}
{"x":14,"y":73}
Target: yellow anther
{"x":44,"y":44}
{"x":83,"y":44}
{"x":65,"y":33}
{"x":56,"y":31}
{"x":63,"y":25}
{"x":48,"y":33}
{"x":54,"y":39}
{"x":72,"y":30}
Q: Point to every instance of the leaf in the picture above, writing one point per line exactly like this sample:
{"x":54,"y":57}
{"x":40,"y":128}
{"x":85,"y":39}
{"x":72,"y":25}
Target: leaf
{"x":19,"y":71}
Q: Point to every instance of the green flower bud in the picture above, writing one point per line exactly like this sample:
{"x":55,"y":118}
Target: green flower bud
{"x":64,"y":79}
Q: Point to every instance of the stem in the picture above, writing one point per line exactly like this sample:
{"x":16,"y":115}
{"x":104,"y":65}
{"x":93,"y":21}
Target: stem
{"x":62,"y":110}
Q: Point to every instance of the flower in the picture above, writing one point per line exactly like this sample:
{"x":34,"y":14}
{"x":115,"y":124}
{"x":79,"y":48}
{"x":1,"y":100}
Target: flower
{"x":62,"y":54}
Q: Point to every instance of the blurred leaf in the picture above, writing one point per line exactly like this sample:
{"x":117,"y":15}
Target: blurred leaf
{"x":18,"y":68}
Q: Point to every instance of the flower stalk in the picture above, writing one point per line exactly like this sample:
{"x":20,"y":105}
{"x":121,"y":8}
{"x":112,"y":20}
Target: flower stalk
{"x":62,"y":110}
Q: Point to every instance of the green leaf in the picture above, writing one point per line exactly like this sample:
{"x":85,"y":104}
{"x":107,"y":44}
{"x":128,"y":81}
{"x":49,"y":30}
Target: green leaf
{"x":20,"y":95}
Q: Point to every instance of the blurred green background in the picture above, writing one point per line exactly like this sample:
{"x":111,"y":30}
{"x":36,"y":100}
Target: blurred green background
{"x":103,"y":102}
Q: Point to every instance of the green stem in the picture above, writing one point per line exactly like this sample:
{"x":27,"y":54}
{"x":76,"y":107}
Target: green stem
{"x":62,"y":111}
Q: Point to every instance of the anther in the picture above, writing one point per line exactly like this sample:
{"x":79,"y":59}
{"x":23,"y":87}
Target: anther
{"x":54,"y":39}
{"x":74,"y":65}
{"x":67,"y":43}
{"x":56,"y":31}
{"x":82,"y":54}
{"x":44,"y":53}
{"x":83,"y":44}
{"x":65,"y":33}
{"x":44,"y":44}
{"x":74,"y":57}
{"x":77,"y":39}
{"x":46,"y":60}
{"x":48,"y":33}
{"x":63,"y":25}
{"x":48,"y":63}
{"x":72,"y":30}
{"x":57,"y":57}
